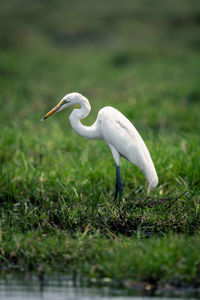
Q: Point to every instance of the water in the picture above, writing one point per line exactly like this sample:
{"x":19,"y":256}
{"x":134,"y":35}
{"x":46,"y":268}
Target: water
{"x":61,"y":288}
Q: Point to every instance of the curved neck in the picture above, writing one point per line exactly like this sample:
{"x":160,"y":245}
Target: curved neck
{"x":90,"y":132}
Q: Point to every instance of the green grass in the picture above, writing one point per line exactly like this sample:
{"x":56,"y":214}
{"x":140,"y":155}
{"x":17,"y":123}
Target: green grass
{"x":56,"y":188}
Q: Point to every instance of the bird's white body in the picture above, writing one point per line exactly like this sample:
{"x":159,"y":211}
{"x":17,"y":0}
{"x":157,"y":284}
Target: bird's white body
{"x":118,"y":133}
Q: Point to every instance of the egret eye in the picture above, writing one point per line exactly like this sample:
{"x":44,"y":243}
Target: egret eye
{"x":63,"y":102}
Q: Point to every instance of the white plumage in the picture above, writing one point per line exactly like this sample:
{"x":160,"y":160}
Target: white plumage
{"x":118,"y":133}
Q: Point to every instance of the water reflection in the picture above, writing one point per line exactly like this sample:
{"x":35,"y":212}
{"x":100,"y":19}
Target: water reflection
{"x":59,"y":287}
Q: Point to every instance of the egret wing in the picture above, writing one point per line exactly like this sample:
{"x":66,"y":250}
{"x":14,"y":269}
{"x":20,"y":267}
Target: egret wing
{"x":118,"y":131}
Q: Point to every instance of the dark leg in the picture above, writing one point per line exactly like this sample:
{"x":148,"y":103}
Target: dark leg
{"x":118,"y":185}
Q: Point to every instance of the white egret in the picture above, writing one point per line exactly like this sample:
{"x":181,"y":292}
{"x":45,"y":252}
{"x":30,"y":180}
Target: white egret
{"x":118,"y":133}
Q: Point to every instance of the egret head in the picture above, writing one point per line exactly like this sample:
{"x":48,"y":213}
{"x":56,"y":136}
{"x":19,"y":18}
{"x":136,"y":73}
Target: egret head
{"x":67,"y":100}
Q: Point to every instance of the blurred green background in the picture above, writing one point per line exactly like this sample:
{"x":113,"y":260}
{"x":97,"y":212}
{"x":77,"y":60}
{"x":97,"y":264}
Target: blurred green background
{"x":141,"y":56}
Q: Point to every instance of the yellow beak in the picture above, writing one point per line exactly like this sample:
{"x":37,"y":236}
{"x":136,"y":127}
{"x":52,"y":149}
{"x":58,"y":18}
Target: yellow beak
{"x":52,"y":111}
